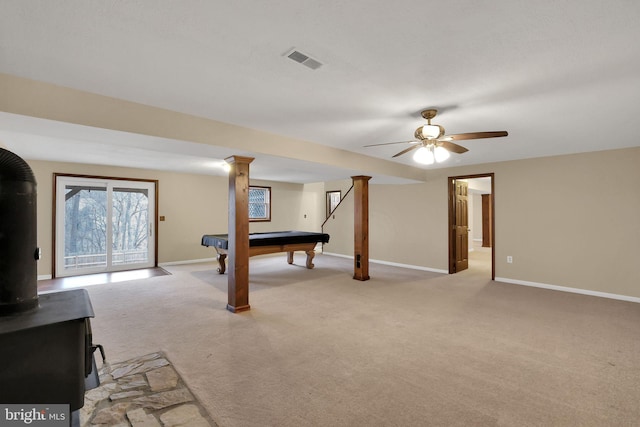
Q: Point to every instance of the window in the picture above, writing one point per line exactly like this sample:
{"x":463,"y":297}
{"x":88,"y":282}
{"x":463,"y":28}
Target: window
{"x":259,"y":203}
{"x":103,"y":224}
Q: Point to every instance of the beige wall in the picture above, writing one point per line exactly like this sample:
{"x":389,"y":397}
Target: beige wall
{"x":43,"y":100}
{"x":409,"y":223}
{"x":192,"y":205}
{"x":313,"y":207}
{"x":570,"y":220}
{"x":567,"y":221}
{"x":293,"y":207}
{"x":342,"y":185}
{"x":563,"y":219}
{"x":340,"y":225}
{"x":476,"y":219}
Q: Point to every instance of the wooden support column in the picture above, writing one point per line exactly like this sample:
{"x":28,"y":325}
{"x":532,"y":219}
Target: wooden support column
{"x":361,"y":227}
{"x":238,"y":250}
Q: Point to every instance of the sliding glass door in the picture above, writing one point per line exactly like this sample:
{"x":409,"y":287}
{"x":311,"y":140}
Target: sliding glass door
{"x":103,"y":225}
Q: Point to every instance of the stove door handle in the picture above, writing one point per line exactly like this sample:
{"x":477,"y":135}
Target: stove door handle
{"x":99,"y":347}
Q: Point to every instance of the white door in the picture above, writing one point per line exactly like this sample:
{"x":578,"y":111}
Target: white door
{"x":103,"y":225}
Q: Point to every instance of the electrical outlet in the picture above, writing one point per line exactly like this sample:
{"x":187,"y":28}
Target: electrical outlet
{"x":509,"y":259}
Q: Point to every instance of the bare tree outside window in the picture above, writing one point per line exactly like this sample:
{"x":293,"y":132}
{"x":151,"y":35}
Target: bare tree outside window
{"x":85,"y":227}
{"x":103,"y":224}
{"x":130,"y":225}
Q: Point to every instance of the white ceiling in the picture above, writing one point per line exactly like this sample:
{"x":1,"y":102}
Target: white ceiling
{"x":560,"y":76}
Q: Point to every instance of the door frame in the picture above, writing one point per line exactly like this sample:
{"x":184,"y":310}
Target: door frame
{"x":451,"y":237}
{"x":328,"y":206}
{"x":154,"y":220}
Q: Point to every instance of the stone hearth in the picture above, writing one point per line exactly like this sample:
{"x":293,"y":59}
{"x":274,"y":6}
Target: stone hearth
{"x":142,"y":392}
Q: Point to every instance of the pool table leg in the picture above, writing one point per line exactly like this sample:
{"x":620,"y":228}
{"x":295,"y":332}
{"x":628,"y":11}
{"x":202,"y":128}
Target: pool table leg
{"x":223,"y":267}
{"x":310,"y":255}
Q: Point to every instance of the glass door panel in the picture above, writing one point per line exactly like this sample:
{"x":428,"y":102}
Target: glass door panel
{"x":85,"y":227}
{"x":103,"y":225}
{"x":130,"y":225}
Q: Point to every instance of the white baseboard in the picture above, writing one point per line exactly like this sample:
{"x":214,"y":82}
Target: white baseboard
{"x":45,"y":277}
{"x":338,"y":255}
{"x":394,"y":264}
{"x":568,"y":289}
{"x":413,"y":267}
{"x":437,"y":270}
{"x":189,"y":261}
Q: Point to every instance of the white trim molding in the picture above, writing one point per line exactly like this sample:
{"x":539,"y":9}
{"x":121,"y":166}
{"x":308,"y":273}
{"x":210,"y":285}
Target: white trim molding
{"x":338,"y":255}
{"x":394,"y":264}
{"x":568,"y":289}
{"x":189,"y":261}
{"x":413,"y":267}
{"x":45,"y":277}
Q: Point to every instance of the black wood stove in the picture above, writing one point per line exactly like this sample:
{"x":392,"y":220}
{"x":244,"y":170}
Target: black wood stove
{"x":46,"y":349}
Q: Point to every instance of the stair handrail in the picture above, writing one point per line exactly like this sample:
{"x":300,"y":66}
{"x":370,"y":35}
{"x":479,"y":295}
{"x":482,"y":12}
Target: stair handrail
{"x":336,"y":208}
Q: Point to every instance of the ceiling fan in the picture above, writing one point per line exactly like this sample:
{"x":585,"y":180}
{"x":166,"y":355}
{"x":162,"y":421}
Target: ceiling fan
{"x":433,"y":145}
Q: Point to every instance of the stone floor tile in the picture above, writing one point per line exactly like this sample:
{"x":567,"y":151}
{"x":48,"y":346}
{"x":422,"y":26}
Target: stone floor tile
{"x":163,"y":378}
{"x":101,"y":392}
{"x":111,"y":415}
{"x":138,"y":393}
{"x":138,"y":368}
{"x":132,"y":381}
{"x":139,"y":418}
{"x":164,"y":399}
{"x":125,"y":395}
{"x":184,"y":415}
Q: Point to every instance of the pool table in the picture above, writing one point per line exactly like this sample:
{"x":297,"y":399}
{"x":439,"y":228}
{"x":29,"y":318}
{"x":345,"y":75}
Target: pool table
{"x":269,"y":243}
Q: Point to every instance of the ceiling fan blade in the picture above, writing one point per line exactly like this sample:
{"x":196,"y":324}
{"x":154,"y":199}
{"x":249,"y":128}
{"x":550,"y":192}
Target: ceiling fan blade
{"x":390,"y":143}
{"x":406,"y":150}
{"x":454,"y":148}
{"x":475,"y":135}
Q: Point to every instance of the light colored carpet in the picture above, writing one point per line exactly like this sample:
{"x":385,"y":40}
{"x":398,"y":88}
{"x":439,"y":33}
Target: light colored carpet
{"x":406,"y":348}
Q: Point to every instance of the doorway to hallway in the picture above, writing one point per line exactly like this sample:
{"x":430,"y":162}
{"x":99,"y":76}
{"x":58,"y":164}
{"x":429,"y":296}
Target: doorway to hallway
{"x":472,"y":224}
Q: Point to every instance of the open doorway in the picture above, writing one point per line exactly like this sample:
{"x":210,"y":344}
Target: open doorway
{"x":472,"y":224}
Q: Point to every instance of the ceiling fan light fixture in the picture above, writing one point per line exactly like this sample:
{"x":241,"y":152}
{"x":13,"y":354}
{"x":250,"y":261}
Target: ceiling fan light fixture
{"x":441,"y":154}
{"x":424,"y":155}
{"x":432,"y":145}
{"x":431,"y":131}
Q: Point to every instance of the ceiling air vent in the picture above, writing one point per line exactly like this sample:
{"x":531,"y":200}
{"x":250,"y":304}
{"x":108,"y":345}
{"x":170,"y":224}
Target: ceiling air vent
{"x":304,"y":59}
